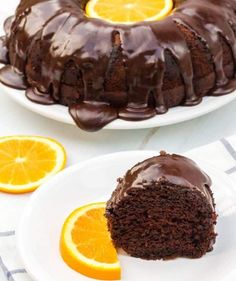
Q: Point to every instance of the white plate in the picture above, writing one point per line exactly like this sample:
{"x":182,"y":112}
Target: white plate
{"x":94,"y":180}
{"x":174,"y":115}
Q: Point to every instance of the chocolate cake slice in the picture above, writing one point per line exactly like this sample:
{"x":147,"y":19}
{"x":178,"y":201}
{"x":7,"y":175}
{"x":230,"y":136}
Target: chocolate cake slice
{"x":163,"y":208}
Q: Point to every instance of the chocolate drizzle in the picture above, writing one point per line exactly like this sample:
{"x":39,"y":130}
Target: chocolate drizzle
{"x":115,"y":71}
{"x":207,"y":23}
{"x":34,"y":95}
{"x":3,"y":51}
{"x":10,"y":77}
{"x":175,"y":169}
{"x":91,"y":116}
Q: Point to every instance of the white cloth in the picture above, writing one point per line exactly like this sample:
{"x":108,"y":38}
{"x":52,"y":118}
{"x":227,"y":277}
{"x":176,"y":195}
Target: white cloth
{"x":221,"y":154}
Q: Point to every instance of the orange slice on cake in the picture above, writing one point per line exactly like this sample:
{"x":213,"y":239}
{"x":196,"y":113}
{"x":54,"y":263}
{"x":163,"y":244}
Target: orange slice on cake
{"x":86,"y":245}
{"x":129,"y":11}
{"x":26,"y":162}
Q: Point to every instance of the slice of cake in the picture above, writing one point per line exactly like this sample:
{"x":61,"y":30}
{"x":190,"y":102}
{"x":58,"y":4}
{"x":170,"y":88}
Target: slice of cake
{"x":163,"y":208}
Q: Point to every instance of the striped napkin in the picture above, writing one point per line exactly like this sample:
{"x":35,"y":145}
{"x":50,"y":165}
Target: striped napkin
{"x":221,"y":154}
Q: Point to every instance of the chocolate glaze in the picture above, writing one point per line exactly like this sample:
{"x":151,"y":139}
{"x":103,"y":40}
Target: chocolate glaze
{"x":61,"y":32}
{"x":7,"y":25}
{"x":174,"y":169}
{"x":34,"y":95}
{"x":3,"y":51}
{"x":207,"y":23}
{"x":91,"y":116}
{"x":225,"y":89}
{"x":10,"y":77}
{"x":3,"y":41}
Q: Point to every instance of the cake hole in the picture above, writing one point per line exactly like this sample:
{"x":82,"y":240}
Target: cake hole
{"x":129,"y":11}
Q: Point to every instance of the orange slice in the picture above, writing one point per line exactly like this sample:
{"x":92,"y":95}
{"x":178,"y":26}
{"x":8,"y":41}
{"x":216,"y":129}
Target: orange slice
{"x":86,"y":245}
{"x":26,"y":162}
{"x":129,"y":11}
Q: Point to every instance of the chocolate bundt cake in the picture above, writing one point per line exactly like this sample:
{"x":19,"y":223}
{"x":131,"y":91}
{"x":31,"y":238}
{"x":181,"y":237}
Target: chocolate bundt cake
{"x":163,"y":208}
{"x":104,"y":71}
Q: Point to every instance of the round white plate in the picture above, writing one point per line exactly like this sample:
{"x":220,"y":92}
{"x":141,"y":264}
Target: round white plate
{"x":94,"y":180}
{"x":174,"y":115}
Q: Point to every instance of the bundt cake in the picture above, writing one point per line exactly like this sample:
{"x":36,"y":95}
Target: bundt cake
{"x":104,"y":71}
{"x":163,"y":208}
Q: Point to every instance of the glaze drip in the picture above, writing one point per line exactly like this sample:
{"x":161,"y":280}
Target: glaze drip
{"x":10,"y":77}
{"x":209,"y":23}
{"x":91,"y":116}
{"x":105,"y":71}
{"x":36,"y":96}
{"x":3,"y":51}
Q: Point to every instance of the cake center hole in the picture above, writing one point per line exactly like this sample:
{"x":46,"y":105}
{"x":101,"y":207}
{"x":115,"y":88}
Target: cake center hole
{"x":129,"y":11}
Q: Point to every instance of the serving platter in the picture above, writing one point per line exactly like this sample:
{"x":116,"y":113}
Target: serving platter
{"x":39,"y":230}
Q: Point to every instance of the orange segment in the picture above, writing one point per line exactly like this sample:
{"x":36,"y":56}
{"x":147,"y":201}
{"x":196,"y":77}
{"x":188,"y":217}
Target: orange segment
{"x":86,"y":245}
{"x":26,"y":162}
{"x":129,"y":11}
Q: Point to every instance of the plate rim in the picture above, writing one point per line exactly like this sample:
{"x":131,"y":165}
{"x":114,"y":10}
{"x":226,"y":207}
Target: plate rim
{"x":23,"y":220}
{"x":157,"y":121}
